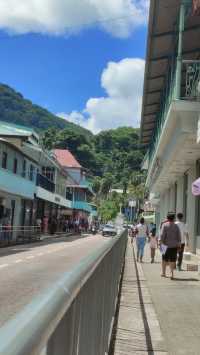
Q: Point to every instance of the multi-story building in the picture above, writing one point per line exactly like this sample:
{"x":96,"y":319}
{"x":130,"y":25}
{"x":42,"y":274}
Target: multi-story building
{"x":17,"y":175}
{"x":36,"y":185}
{"x":170,"y":126}
{"x":79,"y":188}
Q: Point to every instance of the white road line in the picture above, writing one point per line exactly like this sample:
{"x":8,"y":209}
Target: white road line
{"x":30,"y":257}
{"x":3,"y":265}
{"x":40,"y":254}
{"x":18,"y":261}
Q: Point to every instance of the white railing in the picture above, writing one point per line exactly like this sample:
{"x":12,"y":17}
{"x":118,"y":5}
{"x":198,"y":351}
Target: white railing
{"x":74,"y":316}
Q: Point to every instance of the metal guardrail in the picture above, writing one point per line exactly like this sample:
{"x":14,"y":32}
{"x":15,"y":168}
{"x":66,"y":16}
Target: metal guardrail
{"x":76,"y":315}
{"x":28,"y":233}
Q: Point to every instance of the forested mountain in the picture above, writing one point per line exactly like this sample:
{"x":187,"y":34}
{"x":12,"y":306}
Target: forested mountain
{"x":14,"y":108}
{"x":114,"y":153}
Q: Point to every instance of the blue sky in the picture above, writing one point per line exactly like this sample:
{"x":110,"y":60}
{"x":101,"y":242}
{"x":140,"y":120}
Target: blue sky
{"x":63,"y":71}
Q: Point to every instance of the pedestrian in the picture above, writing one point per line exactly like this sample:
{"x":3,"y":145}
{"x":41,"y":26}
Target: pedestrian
{"x":141,"y":232}
{"x":170,"y":240}
{"x":184,"y":239}
{"x":153,"y":243}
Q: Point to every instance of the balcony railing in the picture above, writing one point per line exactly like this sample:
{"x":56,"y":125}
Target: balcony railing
{"x":45,"y":183}
{"x":192,"y":87}
{"x":82,"y":205}
{"x":190,"y":83}
{"x":18,"y":234}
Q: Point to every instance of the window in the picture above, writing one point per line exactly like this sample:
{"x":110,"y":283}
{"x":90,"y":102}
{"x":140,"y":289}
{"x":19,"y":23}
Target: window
{"x":15,"y":163}
{"x":4,"y":160}
{"x":24,"y":169}
{"x":69,"y":194}
{"x":31,"y":173}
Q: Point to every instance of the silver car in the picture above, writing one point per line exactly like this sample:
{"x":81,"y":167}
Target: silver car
{"x":109,"y":230}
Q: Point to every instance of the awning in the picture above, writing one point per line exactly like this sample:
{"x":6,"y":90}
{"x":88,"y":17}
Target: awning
{"x":196,"y":187}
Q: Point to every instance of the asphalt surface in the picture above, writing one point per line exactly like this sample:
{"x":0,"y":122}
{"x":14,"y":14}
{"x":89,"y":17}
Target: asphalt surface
{"x":27,"y":270}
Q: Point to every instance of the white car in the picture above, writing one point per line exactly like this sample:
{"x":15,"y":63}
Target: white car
{"x":109,"y":230}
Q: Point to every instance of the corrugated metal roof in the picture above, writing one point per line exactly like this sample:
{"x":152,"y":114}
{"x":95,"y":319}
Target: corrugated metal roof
{"x":9,"y":129}
{"x":66,"y":159}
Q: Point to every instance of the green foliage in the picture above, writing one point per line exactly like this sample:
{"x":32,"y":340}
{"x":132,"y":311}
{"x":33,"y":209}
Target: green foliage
{"x":96,"y":184}
{"x":15,"y":109}
{"x":108,"y":210}
{"x":112,"y":157}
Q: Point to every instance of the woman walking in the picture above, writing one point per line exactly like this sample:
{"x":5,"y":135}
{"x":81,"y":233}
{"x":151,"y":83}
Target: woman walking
{"x":170,"y":240}
{"x":141,"y":232}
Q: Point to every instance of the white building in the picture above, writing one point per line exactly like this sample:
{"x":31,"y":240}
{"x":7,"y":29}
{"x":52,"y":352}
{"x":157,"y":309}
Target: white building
{"x":171,"y":111}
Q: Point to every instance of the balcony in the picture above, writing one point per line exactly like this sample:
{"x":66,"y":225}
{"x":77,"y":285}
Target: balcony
{"x":82,"y":205}
{"x":190,"y":92}
{"x":174,"y":143}
{"x":45,"y":183}
{"x":16,"y":184}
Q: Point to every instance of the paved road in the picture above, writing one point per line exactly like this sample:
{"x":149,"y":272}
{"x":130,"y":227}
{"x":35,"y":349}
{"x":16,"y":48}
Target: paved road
{"x":27,"y":270}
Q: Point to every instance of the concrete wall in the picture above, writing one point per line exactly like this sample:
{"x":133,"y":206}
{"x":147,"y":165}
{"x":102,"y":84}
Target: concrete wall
{"x":191,"y":208}
{"x":179,"y":201}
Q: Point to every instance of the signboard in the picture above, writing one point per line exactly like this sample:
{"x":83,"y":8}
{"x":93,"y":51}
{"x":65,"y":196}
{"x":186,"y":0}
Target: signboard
{"x":132,"y":203}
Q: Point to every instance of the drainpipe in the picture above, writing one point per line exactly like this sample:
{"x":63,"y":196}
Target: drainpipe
{"x":180,"y":49}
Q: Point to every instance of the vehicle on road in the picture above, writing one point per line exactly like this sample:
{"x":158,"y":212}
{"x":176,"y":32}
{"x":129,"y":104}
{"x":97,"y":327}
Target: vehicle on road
{"x":93,"y":229}
{"x":109,"y":230}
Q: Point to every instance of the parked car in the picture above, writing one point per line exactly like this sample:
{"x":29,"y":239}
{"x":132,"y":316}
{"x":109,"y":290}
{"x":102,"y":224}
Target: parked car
{"x":109,"y":230}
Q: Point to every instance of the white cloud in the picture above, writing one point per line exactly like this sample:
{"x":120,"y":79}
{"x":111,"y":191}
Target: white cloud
{"x":123,"y":83}
{"x":70,"y":16}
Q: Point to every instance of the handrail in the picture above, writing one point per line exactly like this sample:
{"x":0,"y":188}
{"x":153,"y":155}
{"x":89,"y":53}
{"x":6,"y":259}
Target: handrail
{"x":30,"y":331}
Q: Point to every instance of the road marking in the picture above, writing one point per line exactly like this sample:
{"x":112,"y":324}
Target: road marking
{"x":3,"y":265}
{"x":18,"y":261}
{"x":40,"y":254}
{"x":30,"y":257}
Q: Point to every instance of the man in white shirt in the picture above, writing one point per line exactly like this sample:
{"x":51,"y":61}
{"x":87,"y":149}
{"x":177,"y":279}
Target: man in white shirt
{"x":184,"y":238}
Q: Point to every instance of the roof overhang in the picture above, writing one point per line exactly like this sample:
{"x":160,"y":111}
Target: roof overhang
{"x":162,"y":30}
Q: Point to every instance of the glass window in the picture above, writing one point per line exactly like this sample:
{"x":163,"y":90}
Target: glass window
{"x":15,"y":163}
{"x":31,"y":173}
{"x":24,"y":169}
{"x":4,"y":160}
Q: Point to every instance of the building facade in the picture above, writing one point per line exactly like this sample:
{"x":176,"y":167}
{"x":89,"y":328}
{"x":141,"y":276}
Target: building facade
{"x":35,"y":185}
{"x":170,"y":126}
{"x":79,"y":187}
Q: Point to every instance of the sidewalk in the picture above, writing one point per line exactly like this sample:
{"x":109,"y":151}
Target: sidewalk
{"x":177,"y":304}
{"x":157,"y":315}
{"x":137,"y":331}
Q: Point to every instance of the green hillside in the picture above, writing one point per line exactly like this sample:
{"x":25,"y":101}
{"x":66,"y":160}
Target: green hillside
{"x":14,"y":108}
{"x":114,"y":154}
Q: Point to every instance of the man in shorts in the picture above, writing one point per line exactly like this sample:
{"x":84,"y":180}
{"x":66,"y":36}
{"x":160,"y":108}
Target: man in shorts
{"x":171,"y":238}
